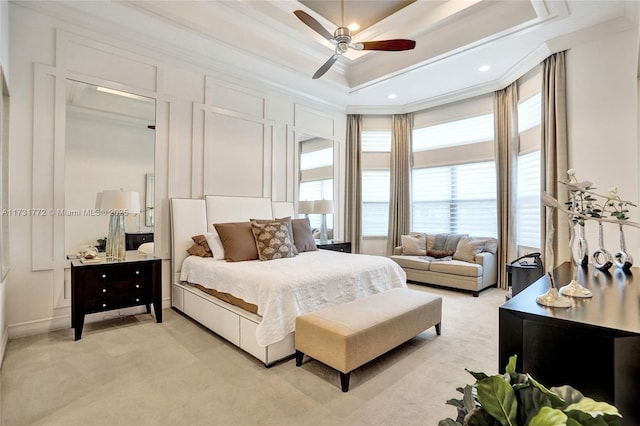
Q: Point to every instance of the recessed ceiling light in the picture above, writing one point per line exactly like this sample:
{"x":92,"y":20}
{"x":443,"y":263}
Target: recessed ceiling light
{"x":392,"y":96}
{"x":354,"y":26}
{"x":484,"y":68}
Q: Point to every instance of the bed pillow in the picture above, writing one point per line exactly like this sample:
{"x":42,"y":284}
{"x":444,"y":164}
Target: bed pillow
{"x":468,"y":247}
{"x":272,"y":240}
{"x":302,"y":235}
{"x":414,"y":244}
{"x":286,"y":220}
{"x":215,"y":245}
{"x":237,"y":241}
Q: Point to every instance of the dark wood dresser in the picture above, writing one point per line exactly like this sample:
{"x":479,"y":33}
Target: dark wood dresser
{"x":108,"y":285}
{"x":134,"y":240}
{"x":594,"y":345}
{"x":342,"y":246}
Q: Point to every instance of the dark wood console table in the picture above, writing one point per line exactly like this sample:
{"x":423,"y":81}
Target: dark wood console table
{"x":593,"y":346}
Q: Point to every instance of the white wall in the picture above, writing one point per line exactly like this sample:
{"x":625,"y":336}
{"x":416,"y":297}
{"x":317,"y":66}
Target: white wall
{"x":602,"y":124}
{"x":213,"y":135}
{"x":4,"y":66}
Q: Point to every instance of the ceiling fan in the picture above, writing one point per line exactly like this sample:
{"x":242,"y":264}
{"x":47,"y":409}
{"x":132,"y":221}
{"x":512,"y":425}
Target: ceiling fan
{"x":341,"y":39}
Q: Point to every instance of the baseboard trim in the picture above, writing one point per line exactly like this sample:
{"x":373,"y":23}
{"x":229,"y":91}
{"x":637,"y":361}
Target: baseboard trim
{"x":30,"y":328}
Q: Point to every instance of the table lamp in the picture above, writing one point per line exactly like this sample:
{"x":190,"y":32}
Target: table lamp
{"x":323,"y":207}
{"x":305,"y":207}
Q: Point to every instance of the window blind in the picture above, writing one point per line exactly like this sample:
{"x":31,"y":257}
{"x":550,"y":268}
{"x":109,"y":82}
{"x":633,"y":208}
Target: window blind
{"x":376,"y":141}
{"x":528,"y":198}
{"x":454,"y":133}
{"x":459,"y":198}
{"x":375,"y":203}
{"x":316,"y":159}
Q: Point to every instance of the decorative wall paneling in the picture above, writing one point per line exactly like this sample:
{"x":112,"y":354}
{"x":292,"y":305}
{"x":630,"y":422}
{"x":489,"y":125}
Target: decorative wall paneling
{"x":95,"y":63}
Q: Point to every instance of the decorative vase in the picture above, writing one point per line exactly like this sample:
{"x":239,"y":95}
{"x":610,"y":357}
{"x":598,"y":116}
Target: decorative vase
{"x":622,"y":258}
{"x":583,"y":247}
{"x":552,"y":298}
{"x":602,"y":259}
{"x":574,"y":288}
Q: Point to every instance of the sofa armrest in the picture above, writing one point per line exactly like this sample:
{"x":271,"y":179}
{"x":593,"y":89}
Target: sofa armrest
{"x":489,"y":264}
{"x":397,"y":250}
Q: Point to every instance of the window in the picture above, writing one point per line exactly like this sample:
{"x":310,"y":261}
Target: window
{"x":376,"y":148}
{"x":528,"y":208}
{"x":459,"y":198}
{"x":528,"y":168}
{"x":453,"y":185}
{"x":375,"y":202}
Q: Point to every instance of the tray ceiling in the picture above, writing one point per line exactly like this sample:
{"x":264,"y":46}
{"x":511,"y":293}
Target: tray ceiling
{"x":263,"y":41}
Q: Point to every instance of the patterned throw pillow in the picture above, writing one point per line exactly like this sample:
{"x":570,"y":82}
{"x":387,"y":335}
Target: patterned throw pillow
{"x":200,"y":248}
{"x":273,"y":240}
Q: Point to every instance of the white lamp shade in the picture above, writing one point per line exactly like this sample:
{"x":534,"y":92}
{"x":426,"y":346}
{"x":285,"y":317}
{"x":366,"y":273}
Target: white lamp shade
{"x":118,"y":201}
{"x":323,"y":206}
{"x":305,"y":207}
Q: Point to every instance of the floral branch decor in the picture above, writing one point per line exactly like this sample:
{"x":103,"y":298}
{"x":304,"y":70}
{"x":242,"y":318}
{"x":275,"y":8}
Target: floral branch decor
{"x":586,"y":204}
{"x":515,"y":399}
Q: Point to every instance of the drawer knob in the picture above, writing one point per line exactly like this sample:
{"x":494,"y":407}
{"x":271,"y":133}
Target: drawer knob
{"x":104,"y":275}
{"x":137,"y":272}
{"x":137,"y":300}
{"x":104,"y":290}
{"x":104,"y":305}
{"x":137,"y":285}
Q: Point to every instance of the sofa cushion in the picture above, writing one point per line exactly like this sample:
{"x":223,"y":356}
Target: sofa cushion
{"x":414,"y":244}
{"x":452,"y":241}
{"x":468,"y":247}
{"x":457,"y":267}
{"x":412,"y":262}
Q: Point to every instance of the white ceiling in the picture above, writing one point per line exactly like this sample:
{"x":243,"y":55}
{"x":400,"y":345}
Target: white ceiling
{"x":262,"y":41}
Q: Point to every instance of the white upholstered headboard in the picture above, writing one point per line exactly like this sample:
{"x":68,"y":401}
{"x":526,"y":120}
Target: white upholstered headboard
{"x":191,"y":217}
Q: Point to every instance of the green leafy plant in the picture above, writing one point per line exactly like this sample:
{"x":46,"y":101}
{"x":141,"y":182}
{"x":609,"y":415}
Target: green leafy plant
{"x":516,"y":399}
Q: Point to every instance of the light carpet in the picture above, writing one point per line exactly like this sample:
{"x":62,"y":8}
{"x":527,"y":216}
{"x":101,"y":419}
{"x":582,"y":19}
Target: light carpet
{"x":132,"y":371}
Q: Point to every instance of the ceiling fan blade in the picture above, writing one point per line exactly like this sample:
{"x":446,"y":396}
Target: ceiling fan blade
{"x":389,"y":45}
{"x":324,"y":68}
{"x":313,"y":24}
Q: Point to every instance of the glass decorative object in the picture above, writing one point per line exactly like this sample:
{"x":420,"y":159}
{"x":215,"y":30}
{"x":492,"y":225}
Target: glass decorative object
{"x":574,"y":288}
{"x":582,"y":254}
{"x":552,"y":298}
{"x":602,"y":259}
{"x":622,"y":258}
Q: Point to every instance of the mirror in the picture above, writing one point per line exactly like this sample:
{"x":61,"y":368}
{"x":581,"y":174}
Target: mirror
{"x":109,"y":144}
{"x":315,"y":178}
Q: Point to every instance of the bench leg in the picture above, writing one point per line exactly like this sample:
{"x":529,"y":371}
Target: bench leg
{"x":438,"y":325}
{"x":299,"y":356}
{"x":344,"y":381}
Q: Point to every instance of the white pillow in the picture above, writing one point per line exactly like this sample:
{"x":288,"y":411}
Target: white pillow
{"x":468,"y":248}
{"x":215,"y":244}
{"x":146,"y":248}
{"x":414,"y":244}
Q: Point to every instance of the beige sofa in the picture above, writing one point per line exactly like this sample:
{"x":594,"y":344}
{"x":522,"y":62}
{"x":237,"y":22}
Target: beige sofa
{"x":465,"y":263}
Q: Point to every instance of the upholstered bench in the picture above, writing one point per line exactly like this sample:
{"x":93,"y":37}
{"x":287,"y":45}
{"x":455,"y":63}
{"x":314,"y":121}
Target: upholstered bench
{"x":347,"y":336}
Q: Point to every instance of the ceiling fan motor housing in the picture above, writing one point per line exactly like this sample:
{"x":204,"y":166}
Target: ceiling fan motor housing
{"x":342,"y":37}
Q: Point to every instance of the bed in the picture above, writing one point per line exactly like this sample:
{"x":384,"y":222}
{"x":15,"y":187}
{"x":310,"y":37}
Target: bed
{"x":279,"y":290}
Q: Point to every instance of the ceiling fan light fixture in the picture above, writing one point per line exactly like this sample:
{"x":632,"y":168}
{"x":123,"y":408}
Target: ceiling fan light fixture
{"x":354,"y":26}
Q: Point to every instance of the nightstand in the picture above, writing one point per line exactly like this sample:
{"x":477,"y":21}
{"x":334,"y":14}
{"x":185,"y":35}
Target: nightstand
{"x":108,"y":285}
{"x":133,"y":241}
{"x":341,"y":246}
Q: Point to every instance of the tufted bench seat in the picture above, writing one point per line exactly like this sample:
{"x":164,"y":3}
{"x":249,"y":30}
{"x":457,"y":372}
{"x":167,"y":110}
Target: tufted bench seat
{"x":347,"y":336}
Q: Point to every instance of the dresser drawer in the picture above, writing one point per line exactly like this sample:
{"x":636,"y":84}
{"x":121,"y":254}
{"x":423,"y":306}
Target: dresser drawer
{"x":99,"y":289}
{"x":122,"y":272}
{"x":108,"y":303}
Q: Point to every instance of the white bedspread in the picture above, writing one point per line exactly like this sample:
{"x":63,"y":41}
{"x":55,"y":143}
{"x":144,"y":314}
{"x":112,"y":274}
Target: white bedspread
{"x":285,"y":288}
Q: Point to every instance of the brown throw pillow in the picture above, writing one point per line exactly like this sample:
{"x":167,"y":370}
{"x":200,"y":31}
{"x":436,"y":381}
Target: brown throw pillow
{"x":197,"y":250}
{"x":439,"y":253}
{"x":467,"y":249}
{"x":237,"y":240}
{"x":272,"y":240}
{"x":286,"y":220}
{"x":201,"y":240}
{"x":302,"y":236}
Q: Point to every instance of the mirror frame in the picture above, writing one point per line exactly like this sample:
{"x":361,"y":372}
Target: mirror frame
{"x":336,"y":172}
